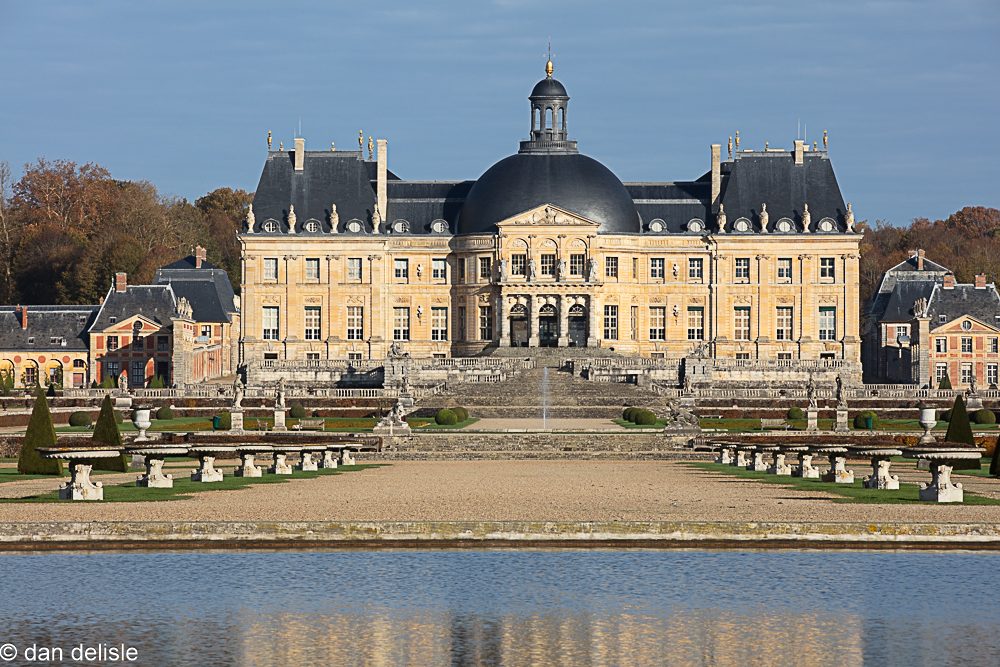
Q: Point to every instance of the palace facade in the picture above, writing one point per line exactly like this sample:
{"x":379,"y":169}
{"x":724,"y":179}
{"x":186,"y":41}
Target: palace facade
{"x":757,"y":259}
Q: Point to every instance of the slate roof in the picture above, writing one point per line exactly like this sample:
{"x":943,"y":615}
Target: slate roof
{"x":69,"y":323}
{"x":899,"y":305}
{"x":207,"y":289}
{"x":188,"y":263}
{"x":155,"y":302}
{"x":964,"y":299}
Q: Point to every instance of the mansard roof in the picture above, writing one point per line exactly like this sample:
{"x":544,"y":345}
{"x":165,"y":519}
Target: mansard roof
{"x":65,"y":325}
{"x":153,"y":302}
{"x":982,"y":303}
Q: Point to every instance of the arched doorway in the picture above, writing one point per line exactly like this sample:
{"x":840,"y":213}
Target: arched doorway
{"x":519,"y":326}
{"x":577,"y":318}
{"x":548,"y":326}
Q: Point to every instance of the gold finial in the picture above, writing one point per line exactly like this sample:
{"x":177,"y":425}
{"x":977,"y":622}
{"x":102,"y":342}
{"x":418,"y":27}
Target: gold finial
{"x":737,"y":139}
{"x":548,"y":61}
{"x":826,"y":141}
{"x":814,"y":145}
{"x":333,"y":146}
{"x":766,"y":145}
{"x":361,"y":140}
{"x":281,"y":145}
{"x":730,"y":147}
{"x":269,"y":140}
{"x":371,"y":147}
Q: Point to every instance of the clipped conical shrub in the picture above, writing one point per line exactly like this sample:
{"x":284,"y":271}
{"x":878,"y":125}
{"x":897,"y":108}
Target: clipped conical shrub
{"x":995,"y":461}
{"x":959,"y":428}
{"x":945,"y":383}
{"x":40,"y":433}
{"x":106,"y":434}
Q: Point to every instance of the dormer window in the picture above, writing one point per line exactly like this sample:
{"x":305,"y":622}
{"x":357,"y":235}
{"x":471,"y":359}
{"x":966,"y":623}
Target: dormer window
{"x":311,"y":226}
{"x":31,"y":340}
{"x":270,"y":226}
{"x":112,"y":319}
{"x":966,"y":325}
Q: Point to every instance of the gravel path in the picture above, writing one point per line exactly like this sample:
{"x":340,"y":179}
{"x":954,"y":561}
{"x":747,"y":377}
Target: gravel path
{"x":505,"y":490}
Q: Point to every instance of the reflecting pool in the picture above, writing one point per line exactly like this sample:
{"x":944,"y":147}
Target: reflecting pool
{"x":509,"y":607}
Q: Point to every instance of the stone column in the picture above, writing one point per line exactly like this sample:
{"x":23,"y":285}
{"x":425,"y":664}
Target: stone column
{"x":563,"y":321}
{"x":533,"y":340}
{"x":923,"y":343}
{"x":498,"y":320}
{"x":592,"y":321}
{"x":504,"y":322}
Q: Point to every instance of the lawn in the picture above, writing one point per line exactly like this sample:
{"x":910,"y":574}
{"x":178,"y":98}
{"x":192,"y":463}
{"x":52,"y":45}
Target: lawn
{"x":184,"y":488}
{"x":10,"y":474}
{"x":660,"y":424}
{"x":351,"y":424}
{"x":850,"y":493}
{"x":430,"y":425}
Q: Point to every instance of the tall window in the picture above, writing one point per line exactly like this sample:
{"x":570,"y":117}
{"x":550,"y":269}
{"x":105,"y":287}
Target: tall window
{"x":657,"y":323}
{"x":485,"y":322}
{"x":741,"y":272}
{"x":401,"y":269}
{"x":783,"y":323}
{"x":354,"y":268}
{"x":137,"y":377}
{"x":696,"y":269}
{"x":940,"y":345}
{"x":113,"y":371}
{"x":460,"y":323}
{"x":270,"y":268}
{"x":696,"y":323}
{"x":827,"y":270}
{"x":162,"y":343}
{"x":610,"y":267}
{"x":966,"y":374}
{"x":518,"y":264}
{"x":460,"y":265}
{"x":741,"y":323}
{"x":401,"y":324}
{"x":656,"y":268}
{"x":940,"y":371}
{"x":635,"y":322}
{"x":269,"y":318}
{"x":991,"y":374}
{"x":112,"y":343}
{"x":485,"y":268}
{"x":355,"y":323}
{"x":577,"y":263}
{"x":439,"y":268}
{"x":548,"y":264}
{"x":993,"y":345}
{"x":439,"y":324}
{"x":611,"y":322}
{"x":784,"y":269}
{"x":827,"y":323}
{"x":312,"y":322}
{"x":966,"y":343}
{"x":312,"y":269}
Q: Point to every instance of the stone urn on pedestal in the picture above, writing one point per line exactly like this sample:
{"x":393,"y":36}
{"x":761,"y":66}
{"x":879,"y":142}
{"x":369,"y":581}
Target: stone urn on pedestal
{"x":141,"y":419}
{"x":928,"y":420}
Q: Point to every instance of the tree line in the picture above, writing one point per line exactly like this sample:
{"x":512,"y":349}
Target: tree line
{"x":65,"y":229}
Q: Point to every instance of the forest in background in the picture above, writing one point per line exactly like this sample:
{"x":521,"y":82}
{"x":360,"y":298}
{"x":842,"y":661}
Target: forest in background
{"x":65,"y":229}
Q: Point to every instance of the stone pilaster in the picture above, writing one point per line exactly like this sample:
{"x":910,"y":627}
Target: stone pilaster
{"x":533,"y":340}
{"x":563,"y":340}
{"x":593,"y":321}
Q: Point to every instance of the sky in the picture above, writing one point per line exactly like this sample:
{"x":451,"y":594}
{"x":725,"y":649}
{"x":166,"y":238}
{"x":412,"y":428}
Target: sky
{"x":183,"y":93}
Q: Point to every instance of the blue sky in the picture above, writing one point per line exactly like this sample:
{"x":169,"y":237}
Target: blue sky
{"x":183,"y":93}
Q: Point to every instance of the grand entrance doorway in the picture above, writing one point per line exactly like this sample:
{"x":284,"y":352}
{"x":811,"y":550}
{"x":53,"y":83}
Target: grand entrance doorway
{"x":577,"y":318}
{"x":519,"y":326}
{"x":548,"y":326}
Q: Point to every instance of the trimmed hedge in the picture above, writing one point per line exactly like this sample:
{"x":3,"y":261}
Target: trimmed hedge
{"x":461,"y":413}
{"x":446,"y":417}
{"x":628,"y":414}
{"x":297,"y":411}
{"x":40,"y":433}
{"x":225,"y":421}
{"x":106,"y":433}
{"x":80,"y":418}
{"x":984,"y":416}
{"x":166,"y":412}
{"x":859,"y":419}
{"x":795,"y":412}
{"x":645,"y":418}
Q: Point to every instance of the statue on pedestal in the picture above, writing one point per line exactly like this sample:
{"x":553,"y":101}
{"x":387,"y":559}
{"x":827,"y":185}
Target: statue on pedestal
{"x":250,"y":219}
{"x":720,"y":218}
{"x":849,"y":218}
{"x":334,"y":219}
{"x":806,"y":218}
{"x":811,"y":392}
{"x":841,"y":399}
{"x":592,"y":271}
{"x":376,"y":219}
{"x":532,"y":269}
{"x":764,"y":217}
{"x":502,"y":270}
{"x":561,"y":270}
{"x":238,"y":393}
{"x":292,"y":218}
{"x":279,"y":395}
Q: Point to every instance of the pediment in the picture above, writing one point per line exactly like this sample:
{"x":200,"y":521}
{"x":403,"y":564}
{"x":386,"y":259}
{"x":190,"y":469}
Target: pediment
{"x":548,"y":215}
{"x":128,"y":325}
{"x":955,"y":326}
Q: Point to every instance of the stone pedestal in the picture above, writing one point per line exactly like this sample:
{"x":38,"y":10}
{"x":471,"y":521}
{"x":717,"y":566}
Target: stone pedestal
{"x":757,"y":463}
{"x":778,"y":465}
{"x":280,"y":465}
{"x":741,"y":461}
{"x":206,"y":470}
{"x":725,"y":456}
{"x":236,"y":424}
{"x":138,"y":462}
{"x":805,"y":468}
{"x":842,"y":425}
{"x":329,"y":460}
{"x":279,"y":420}
{"x":838,"y":471}
{"x":247,"y":467}
{"x":880,"y":477}
{"x":79,"y":486}
{"x":346,"y":459}
{"x":928,"y":420}
{"x":941,"y":489}
{"x":154,"y":477}
{"x":973,"y":402}
{"x":812,"y":415}
{"x":307,"y":462}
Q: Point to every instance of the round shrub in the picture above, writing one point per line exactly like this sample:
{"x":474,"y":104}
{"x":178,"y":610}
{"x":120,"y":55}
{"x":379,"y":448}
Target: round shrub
{"x":79,"y":418}
{"x":166,"y":412}
{"x":628,"y":414}
{"x":225,"y":421}
{"x":296,"y":411}
{"x":461,"y":413}
{"x":860,"y":419}
{"x":795,"y":412}
{"x":984,"y":416}
{"x":446,"y":417}
{"x":645,"y":417}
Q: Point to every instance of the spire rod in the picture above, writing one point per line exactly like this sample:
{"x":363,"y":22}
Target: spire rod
{"x":548,"y":61}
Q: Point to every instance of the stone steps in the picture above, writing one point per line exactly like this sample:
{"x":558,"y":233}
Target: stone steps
{"x":545,"y":455}
{"x":595,"y":441}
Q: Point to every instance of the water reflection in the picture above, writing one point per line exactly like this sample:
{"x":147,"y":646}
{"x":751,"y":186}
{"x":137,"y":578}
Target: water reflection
{"x":510,"y":608}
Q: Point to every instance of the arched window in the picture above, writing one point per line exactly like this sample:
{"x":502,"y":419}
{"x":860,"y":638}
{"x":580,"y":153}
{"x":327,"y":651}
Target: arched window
{"x":562,"y":119}
{"x":535,"y":118}
{"x":549,"y":124}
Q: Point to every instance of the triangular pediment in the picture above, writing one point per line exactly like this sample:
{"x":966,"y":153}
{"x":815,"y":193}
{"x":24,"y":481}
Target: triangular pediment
{"x":128,"y":325}
{"x":548,"y":215}
{"x":955,"y":326}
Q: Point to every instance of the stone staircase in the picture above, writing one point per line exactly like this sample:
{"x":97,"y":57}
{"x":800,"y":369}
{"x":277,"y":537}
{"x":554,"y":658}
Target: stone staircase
{"x":562,"y":395}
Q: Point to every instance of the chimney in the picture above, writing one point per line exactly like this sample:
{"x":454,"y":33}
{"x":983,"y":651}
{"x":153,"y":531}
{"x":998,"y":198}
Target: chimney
{"x":199,"y":256}
{"x":22,"y":314}
{"x":920,"y":259}
{"x":381,"y":169}
{"x":799,"y":151}
{"x":949,"y":280}
{"x":980,"y":281}
{"x":716,"y":173}
{"x":300,"y":153}
{"x":121,"y":281}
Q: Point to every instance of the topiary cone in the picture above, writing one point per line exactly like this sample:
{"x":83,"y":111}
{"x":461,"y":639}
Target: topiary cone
{"x":106,"y":434}
{"x":40,"y":433}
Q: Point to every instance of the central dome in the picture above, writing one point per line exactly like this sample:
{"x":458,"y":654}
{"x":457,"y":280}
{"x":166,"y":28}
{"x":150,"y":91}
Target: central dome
{"x":571,"y":181}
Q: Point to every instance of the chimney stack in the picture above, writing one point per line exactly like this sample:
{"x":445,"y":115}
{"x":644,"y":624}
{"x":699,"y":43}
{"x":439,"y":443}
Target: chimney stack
{"x":300,"y":153}
{"x":980,"y":281}
{"x":121,"y":281}
{"x":199,"y":256}
{"x":799,"y":151}
{"x":22,"y":313}
{"x":716,"y":173}
{"x":949,"y":280}
{"x":920,"y":259}
{"x":381,"y":171}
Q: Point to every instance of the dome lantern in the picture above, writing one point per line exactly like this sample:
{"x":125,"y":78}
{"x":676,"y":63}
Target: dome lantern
{"x":549,"y":106}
